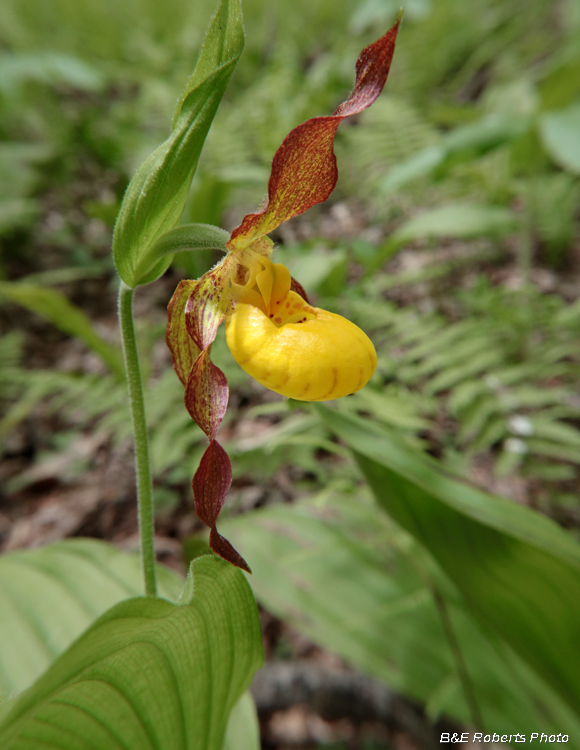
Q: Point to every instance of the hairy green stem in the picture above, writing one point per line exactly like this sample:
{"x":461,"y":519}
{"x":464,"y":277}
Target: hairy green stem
{"x":143,"y":467}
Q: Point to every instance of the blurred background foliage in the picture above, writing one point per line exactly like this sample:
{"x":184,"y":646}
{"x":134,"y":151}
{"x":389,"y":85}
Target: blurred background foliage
{"x":452,"y":239}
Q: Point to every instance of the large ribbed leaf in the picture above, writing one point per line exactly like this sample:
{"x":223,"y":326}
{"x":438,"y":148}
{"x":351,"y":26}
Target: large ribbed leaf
{"x":148,"y":673}
{"x":519,"y":572}
{"x":50,"y":595}
{"x":243,"y":730}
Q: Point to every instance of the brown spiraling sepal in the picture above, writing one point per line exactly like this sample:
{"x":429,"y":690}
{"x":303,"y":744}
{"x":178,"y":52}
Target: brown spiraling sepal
{"x":207,"y":394}
{"x":223,"y":548}
{"x":211,"y":483}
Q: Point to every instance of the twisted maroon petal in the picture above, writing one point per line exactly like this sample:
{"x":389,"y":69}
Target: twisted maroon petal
{"x":304,"y":167}
{"x":223,"y":548}
{"x":208,"y":303}
{"x":207,"y":394}
{"x":211,"y":483}
{"x":183,"y":350}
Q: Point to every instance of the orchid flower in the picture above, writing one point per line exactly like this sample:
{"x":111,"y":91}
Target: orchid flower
{"x":272,"y":331}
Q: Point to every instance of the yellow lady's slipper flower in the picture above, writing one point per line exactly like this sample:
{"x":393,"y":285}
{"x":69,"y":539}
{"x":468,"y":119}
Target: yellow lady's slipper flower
{"x":272,"y":331}
{"x":295,"y":349}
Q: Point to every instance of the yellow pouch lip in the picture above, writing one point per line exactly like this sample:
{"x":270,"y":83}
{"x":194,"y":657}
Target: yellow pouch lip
{"x":320,"y":359}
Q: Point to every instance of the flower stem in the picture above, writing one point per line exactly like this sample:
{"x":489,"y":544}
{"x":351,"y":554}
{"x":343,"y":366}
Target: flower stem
{"x":143,"y":468}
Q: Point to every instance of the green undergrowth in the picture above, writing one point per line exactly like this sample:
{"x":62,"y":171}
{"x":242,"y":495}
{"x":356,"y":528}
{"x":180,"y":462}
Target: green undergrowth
{"x":502,"y":377}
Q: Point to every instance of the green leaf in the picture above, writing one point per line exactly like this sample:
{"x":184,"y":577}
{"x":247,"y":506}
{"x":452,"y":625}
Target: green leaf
{"x":394,"y":406}
{"x":148,"y":673}
{"x":440,"y":339}
{"x":465,"y":220}
{"x":518,"y":570}
{"x":560,"y":133}
{"x":48,"y":68}
{"x":156,"y":196}
{"x":17,"y":213}
{"x":18,"y":163}
{"x":48,"y":596}
{"x":243,"y":730}
{"x":457,"y":220}
{"x":492,"y":432}
{"x":477,"y":414}
{"x":554,"y":450}
{"x":560,"y":85}
{"x":465,"y":395}
{"x":322,"y":271}
{"x":338,"y":570}
{"x":417,"y":165}
{"x":478,"y":365}
{"x":559,"y":432}
{"x":463,"y":143}
{"x":68,"y":318}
